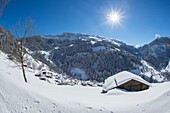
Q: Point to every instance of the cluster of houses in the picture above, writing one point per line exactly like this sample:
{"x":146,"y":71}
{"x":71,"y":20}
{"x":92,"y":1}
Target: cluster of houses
{"x":63,"y":79}
{"x":124,"y":80}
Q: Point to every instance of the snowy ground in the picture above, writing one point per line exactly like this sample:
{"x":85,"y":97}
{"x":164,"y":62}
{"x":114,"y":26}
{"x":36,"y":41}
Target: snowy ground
{"x":41,"y":97}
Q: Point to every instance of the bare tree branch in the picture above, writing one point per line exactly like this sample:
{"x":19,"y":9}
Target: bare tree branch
{"x":15,"y":30}
{"x":3,"y":3}
{"x":28,"y":27}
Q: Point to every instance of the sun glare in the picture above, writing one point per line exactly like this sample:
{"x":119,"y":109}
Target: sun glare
{"x":114,"y":18}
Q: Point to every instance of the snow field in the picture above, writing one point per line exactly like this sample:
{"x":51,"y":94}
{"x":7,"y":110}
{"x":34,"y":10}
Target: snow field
{"x":37,"y":96}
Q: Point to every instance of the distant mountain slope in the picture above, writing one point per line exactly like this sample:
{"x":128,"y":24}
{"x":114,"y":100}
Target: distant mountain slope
{"x":94,"y":57}
{"x":91,"y":57}
{"x":157,"y":52}
{"x":7,"y":41}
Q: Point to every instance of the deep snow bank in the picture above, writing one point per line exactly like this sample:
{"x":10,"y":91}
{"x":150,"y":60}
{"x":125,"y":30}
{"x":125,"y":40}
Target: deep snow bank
{"x":38,"y":96}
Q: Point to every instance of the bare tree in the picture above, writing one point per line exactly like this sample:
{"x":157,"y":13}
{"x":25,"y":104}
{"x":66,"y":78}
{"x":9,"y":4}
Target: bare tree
{"x":3,"y":3}
{"x":20,"y":50}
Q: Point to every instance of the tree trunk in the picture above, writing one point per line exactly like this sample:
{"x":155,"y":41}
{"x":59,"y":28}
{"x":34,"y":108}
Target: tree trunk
{"x":22,"y":61}
{"x":23,"y":71}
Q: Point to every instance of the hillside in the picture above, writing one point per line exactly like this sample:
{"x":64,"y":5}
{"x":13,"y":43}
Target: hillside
{"x":93,"y":57}
{"x":90,"y":57}
{"x":157,"y":52}
{"x":38,"y":96}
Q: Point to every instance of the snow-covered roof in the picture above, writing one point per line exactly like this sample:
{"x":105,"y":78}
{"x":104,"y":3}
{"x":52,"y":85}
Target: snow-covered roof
{"x":121,"y":78}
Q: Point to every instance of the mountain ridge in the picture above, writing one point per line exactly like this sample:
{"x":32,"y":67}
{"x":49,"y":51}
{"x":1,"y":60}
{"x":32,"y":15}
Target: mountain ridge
{"x":94,"y":57}
{"x":68,"y":50}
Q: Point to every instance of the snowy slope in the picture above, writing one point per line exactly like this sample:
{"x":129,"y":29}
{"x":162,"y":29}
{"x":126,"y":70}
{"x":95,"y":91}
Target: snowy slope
{"x":168,"y":67}
{"x":148,"y":70}
{"x":40,"y":97}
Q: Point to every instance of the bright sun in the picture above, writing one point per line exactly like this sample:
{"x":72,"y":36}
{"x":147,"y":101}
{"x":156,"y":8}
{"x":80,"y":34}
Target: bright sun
{"x":114,"y":18}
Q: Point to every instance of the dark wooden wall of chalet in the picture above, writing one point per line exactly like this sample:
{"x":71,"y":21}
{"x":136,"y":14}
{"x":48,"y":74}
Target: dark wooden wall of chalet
{"x":133,"y":85}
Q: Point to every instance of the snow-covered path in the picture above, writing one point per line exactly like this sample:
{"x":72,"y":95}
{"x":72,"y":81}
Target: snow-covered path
{"x":41,"y":97}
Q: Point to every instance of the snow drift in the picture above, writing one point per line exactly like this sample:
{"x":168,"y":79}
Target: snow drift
{"x":37,"y":96}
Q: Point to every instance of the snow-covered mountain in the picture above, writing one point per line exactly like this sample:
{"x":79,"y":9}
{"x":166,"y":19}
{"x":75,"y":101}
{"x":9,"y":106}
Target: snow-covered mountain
{"x":93,"y":57}
{"x":157,"y":52}
{"x":90,"y":57}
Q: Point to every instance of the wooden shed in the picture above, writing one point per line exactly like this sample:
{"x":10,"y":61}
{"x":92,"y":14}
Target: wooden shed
{"x":134,"y":85}
{"x":125,"y":80}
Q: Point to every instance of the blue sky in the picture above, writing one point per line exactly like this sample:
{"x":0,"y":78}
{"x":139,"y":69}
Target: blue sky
{"x":142,"y":18}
